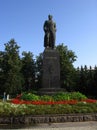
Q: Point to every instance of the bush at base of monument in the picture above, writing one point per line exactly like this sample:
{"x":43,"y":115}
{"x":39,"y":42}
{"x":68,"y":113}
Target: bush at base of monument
{"x":60,"y":96}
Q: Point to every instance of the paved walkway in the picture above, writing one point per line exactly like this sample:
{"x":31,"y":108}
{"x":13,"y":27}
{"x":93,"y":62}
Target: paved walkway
{"x":67,"y":126}
{"x":91,"y":125}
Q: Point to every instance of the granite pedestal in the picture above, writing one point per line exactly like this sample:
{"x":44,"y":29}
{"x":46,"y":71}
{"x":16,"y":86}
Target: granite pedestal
{"x":51,"y":72}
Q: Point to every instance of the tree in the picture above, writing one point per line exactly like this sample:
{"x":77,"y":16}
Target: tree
{"x":83,"y":79}
{"x":67,"y":70}
{"x":94,"y":88}
{"x":11,"y":68}
{"x":90,"y":78}
{"x":2,"y":76}
{"x":39,"y":63}
{"x":28,"y":70}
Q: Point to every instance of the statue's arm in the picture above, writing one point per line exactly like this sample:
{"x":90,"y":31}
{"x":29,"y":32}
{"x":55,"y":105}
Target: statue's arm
{"x":55,"y":27}
{"x":45,"y":26}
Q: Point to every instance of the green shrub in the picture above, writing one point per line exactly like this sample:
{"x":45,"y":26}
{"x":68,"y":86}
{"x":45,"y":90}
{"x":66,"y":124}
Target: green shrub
{"x":77,"y":96}
{"x":30,"y":96}
{"x":69,"y":96}
{"x":61,"y":96}
{"x":7,"y":109}
{"x":46,"y":98}
{"x":56,"y":97}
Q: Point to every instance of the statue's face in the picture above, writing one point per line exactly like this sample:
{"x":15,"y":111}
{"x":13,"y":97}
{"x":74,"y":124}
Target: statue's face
{"x":50,"y":17}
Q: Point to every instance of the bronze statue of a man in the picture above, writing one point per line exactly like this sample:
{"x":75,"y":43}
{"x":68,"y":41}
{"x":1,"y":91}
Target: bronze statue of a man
{"x":50,"y":32}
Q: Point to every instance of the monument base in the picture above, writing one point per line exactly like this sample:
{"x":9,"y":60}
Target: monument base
{"x":50,"y":91}
{"x":51,"y":72}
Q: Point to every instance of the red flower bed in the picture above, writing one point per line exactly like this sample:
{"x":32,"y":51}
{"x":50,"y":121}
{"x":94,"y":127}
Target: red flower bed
{"x":89,"y":100}
{"x":17,"y":100}
{"x":71,"y":102}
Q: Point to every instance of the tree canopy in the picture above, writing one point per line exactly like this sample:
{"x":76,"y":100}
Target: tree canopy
{"x":11,"y":65}
{"x":67,"y":58}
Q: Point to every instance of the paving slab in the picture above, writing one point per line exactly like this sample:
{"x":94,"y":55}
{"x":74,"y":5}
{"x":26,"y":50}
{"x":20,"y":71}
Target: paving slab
{"x":91,"y":125}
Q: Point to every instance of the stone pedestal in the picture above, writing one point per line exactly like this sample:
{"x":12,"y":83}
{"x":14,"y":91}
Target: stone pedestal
{"x":51,"y":72}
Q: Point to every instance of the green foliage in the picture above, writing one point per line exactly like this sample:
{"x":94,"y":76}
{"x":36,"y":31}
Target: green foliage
{"x":2,"y":74}
{"x":34,"y":97}
{"x":77,"y":96}
{"x":86,"y":81}
{"x":67,"y":58}
{"x":28,"y":71}
{"x":61,"y":96}
{"x":69,"y":96}
{"x":12,"y":79}
{"x":8,"y":109}
{"x":46,"y":98}
{"x":30,"y":96}
{"x":56,"y":97}
{"x":39,"y":63}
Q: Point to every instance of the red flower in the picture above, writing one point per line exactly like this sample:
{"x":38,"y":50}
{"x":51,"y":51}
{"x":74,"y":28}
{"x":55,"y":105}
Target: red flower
{"x":89,"y":100}
{"x":71,"y":102}
{"x":15,"y":101}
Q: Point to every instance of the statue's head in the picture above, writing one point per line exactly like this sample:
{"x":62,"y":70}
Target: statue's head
{"x":50,"y":17}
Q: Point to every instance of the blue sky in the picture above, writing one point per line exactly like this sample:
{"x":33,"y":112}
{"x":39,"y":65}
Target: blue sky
{"x":76,"y":22}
